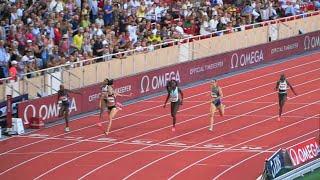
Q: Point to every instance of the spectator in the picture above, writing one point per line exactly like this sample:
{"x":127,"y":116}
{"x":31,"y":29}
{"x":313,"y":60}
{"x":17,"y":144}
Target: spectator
{"x":64,"y":45}
{"x":98,"y":48}
{"x":85,"y":22}
{"x":31,"y":68}
{"x":289,"y":9}
{"x":108,"y":13}
{"x":316,"y":4}
{"x":13,"y":72}
{"x":4,"y":58}
{"x":204,"y":28}
{"x":93,"y":6}
{"x":213,"y":23}
{"x":78,"y":39}
{"x":54,"y":30}
{"x":100,"y":20}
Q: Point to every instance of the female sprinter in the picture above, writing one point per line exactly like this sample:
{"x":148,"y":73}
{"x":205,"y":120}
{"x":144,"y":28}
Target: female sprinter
{"x":108,"y":99}
{"x":282,"y":87}
{"x":104,"y":91}
{"x":215,"y":103}
{"x":175,"y":99}
{"x":64,"y":102}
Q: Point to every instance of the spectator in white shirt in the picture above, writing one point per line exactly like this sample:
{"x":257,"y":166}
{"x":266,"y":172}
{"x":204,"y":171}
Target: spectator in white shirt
{"x":159,"y":11}
{"x":225,"y":19}
{"x":60,"y":6}
{"x":139,"y":48}
{"x":204,"y":28}
{"x":132,"y":29}
{"x":134,"y":4}
{"x":14,"y":15}
{"x":100,"y":20}
{"x":52,"y":5}
{"x":213,"y":23}
{"x":149,"y":2}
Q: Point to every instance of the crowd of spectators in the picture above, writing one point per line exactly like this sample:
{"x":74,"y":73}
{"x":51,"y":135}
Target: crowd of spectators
{"x":45,"y":33}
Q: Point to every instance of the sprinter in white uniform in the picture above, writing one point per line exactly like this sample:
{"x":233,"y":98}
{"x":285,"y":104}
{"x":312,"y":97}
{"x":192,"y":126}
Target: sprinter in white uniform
{"x":108,"y":99}
{"x":173,"y":94}
{"x":282,"y":87}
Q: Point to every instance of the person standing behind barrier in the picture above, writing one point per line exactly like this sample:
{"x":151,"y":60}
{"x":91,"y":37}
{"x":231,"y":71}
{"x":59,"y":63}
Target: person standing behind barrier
{"x":175,"y":99}
{"x":215,"y":103}
{"x":64,"y":103}
{"x":282,"y":87}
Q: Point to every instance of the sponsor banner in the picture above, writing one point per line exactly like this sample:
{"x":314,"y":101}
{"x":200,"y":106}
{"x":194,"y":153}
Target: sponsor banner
{"x":15,"y":100}
{"x":154,"y":81}
{"x":47,"y":109}
{"x":246,"y":57}
{"x":275,"y":164}
{"x":304,"y":152}
{"x":91,"y":94}
{"x":311,"y":41}
{"x":292,"y":46}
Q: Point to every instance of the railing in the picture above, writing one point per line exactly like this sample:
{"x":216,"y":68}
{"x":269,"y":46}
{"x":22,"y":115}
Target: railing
{"x":78,"y":74}
{"x":26,"y":83}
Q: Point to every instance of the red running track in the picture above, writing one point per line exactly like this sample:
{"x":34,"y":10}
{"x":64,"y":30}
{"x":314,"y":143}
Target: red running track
{"x":142,"y":146}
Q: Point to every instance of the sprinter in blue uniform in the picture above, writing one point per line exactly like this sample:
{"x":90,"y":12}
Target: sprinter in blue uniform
{"x":215,"y":103}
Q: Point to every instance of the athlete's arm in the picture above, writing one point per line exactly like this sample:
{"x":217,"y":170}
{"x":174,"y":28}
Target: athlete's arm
{"x":165,"y":103}
{"x":277,"y":86}
{"x":220,"y":92}
{"x":181,"y":93}
{"x":291,"y":88}
{"x":101,"y":99}
{"x":58,"y":96}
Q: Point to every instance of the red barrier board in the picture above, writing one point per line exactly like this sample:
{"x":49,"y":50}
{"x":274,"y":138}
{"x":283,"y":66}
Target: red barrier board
{"x":304,"y":151}
{"x":47,"y":108}
{"x":150,"y":82}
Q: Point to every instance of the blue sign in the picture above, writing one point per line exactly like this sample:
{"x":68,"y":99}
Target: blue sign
{"x":15,"y":100}
{"x":275,"y":164}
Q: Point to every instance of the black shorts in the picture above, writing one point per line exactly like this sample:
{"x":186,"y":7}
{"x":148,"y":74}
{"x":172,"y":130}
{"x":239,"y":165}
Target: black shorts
{"x":282,"y":97}
{"x":65,"y":106}
{"x":110,"y":108}
{"x":175,"y":107}
{"x":217,"y":102}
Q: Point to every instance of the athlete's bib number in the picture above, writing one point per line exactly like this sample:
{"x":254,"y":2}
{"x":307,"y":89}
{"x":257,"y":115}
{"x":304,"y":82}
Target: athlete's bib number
{"x":64,"y":98}
{"x":283,"y":86}
{"x":174,"y":98}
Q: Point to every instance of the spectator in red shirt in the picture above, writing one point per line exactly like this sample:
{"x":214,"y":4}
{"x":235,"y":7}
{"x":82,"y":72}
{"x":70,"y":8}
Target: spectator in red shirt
{"x":13,"y":70}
